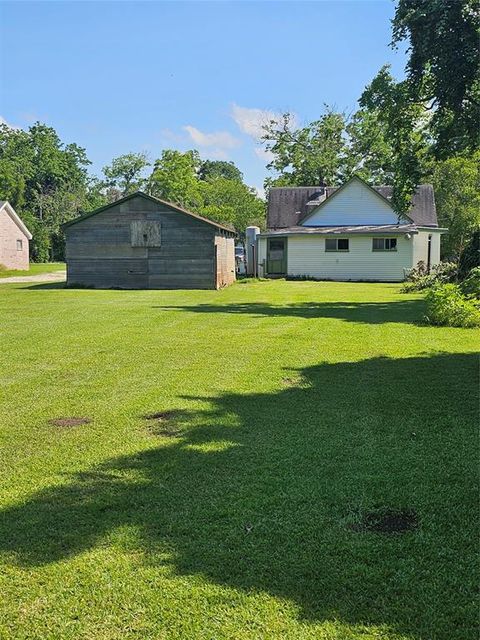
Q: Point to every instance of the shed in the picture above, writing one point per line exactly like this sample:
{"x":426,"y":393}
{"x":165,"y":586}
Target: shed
{"x":142,"y":242}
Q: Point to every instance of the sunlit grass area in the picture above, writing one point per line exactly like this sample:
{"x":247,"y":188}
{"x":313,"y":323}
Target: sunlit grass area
{"x":275,"y":460}
{"x":36,"y":268}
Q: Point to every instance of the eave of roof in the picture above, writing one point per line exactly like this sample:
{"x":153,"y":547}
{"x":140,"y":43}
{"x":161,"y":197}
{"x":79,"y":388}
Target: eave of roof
{"x":153,"y":199}
{"x":4,"y":204}
{"x":385,"y":229}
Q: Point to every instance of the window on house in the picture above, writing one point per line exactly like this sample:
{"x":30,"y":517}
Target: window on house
{"x":384,"y":244}
{"x":337,"y":244}
{"x":19,"y":245}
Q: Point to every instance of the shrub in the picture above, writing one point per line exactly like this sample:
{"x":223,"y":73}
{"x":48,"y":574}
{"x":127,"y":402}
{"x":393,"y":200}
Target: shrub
{"x":447,"y":306}
{"x":419,"y":279}
{"x":471,"y":285}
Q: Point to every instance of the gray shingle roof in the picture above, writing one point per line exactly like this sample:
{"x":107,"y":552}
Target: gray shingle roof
{"x":288,"y":205}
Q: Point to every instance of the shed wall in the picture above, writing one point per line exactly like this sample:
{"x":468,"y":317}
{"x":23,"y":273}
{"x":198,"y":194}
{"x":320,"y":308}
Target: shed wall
{"x":100,"y":253}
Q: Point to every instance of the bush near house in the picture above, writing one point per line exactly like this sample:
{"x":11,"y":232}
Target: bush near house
{"x":451,"y":300}
{"x":448,"y":306}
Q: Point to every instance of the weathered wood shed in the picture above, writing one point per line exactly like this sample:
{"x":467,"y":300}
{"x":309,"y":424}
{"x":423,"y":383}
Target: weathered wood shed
{"x":141,"y":242}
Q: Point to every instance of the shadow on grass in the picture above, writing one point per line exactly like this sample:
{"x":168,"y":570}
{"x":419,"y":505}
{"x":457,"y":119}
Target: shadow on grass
{"x":260,"y":492}
{"x":47,"y":285}
{"x":405,"y":311}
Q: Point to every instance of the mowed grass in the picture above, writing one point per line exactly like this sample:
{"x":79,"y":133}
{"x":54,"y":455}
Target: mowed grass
{"x":36,"y":268}
{"x":289,"y":412}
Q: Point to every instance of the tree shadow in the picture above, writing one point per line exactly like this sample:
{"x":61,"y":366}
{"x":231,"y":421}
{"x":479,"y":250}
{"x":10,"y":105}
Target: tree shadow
{"x":260,"y":492}
{"x":404,"y":311}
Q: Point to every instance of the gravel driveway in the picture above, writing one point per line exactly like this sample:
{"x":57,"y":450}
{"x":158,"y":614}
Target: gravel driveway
{"x":55,"y":276}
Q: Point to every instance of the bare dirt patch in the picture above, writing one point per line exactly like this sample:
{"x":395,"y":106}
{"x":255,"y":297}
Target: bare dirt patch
{"x":69,"y":422}
{"x":387,"y":521}
{"x":163,"y":423}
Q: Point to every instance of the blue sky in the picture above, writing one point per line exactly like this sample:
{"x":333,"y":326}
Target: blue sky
{"x":116,"y":77}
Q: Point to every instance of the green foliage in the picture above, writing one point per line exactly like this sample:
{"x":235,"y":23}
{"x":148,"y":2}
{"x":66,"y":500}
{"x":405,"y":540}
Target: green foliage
{"x":125,"y":173}
{"x":419,"y":279}
{"x":178,"y":178}
{"x":210,"y":169}
{"x":312,"y":155}
{"x":470,"y":256}
{"x":175,"y":178}
{"x":232,"y":202}
{"x":443,"y":67}
{"x":457,"y":195}
{"x":471,"y":285}
{"x":46,"y":181}
{"x":448,"y":306}
{"x":405,"y":126}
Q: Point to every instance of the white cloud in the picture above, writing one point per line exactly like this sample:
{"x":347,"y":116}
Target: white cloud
{"x":11,"y":126}
{"x":260,"y":191}
{"x":218,"y":139}
{"x":252,"y":120}
{"x":264,"y":154}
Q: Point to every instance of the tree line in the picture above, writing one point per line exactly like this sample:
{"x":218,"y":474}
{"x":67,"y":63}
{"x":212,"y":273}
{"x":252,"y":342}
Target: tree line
{"x":424,"y":128}
{"x":48,"y":183}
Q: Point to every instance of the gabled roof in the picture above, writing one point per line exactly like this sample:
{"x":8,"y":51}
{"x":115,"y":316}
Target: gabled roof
{"x":288,"y":206}
{"x":152,"y":199}
{"x":9,"y":210}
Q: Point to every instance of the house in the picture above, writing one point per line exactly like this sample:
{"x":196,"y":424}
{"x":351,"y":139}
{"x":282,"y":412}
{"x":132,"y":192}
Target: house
{"x":141,"y":242}
{"x":14,"y":239}
{"x":347,"y":233}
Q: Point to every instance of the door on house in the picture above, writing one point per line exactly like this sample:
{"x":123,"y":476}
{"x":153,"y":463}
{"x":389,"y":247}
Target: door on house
{"x":276,"y":256}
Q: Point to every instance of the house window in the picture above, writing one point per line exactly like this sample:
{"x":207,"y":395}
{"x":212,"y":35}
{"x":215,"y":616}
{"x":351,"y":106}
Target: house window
{"x":384,"y":244}
{"x":337,"y":244}
{"x":19,"y":245}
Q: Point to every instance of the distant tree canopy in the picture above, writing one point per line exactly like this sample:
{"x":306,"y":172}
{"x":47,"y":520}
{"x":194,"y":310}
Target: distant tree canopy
{"x":443,"y":67}
{"x":211,"y":188}
{"x":48,"y":183}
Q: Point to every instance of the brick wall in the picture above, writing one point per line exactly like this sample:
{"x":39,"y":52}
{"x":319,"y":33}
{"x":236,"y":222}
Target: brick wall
{"x":10,"y":255}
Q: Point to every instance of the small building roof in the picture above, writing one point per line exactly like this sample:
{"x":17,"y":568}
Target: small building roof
{"x":7,"y":207}
{"x":287,"y":206}
{"x":153,"y":199}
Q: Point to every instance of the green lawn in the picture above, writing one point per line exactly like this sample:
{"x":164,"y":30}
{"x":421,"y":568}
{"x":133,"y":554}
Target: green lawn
{"x":290,"y":412}
{"x":36,"y":268}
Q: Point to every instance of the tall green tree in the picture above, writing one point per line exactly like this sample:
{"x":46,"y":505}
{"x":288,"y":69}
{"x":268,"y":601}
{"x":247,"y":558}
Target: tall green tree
{"x":405,"y":125}
{"x":310,"y":155}
{"x":125,"y":174}
{"x":457,"y":195}
{"x":45,"y":180}
{"x":232,"y":202}
{"x":443,"y":67}
{"x":210,"y":169}
{"x":175,"y":178}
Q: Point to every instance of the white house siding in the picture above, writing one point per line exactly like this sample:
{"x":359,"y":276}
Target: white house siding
{"x":307,"y":257}
{"x":420,"y":248}
{"x":354,"y":205}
